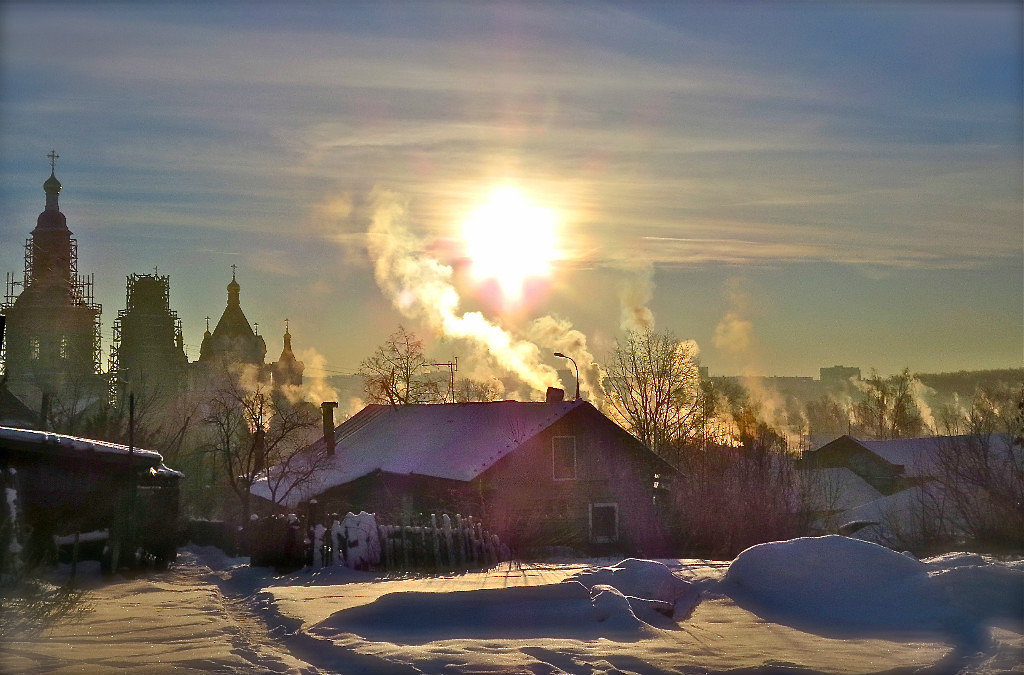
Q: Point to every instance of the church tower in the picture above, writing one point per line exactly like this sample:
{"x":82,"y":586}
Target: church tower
{"x":52,"y":343}
{"x":233,"y":341}
{"x":148,"y":350}
{"x":287,"y":370}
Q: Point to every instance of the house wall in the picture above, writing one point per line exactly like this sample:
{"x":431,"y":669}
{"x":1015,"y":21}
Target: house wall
{"x":527,"y":505}
{"x":396,"y":497}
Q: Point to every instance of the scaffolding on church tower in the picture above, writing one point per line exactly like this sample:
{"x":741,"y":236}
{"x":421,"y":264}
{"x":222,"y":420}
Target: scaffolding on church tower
{"x":147,"y":308}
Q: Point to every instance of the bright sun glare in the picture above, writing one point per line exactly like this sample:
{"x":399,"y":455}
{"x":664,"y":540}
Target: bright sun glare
{"x":510,"y":238}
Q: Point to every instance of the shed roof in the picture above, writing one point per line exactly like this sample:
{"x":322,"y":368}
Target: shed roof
{"x":44,"y":439}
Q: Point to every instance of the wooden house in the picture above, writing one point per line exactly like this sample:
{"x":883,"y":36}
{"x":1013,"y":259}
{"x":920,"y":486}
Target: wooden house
{"x":557,"y":473}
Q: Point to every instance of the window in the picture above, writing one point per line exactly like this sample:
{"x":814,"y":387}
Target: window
{"x":33,"y":348}
{"x":63,"y":347}
{"x":563,"y":458}
{"x":604,"y":523}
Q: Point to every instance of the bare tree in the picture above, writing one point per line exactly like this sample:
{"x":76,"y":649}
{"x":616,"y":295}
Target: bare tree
{"x":728,"y":498}
{"x":654,"y":390}
{"x":981,"y":471}
{"x":826,"y":415}
{"x":251,"y":434}
{"x":472,"y":391}
{"x":887,"y":408}
{"x":397,"y":372}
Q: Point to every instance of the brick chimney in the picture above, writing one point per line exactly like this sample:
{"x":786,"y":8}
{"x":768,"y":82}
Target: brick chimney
{"x":555,"y":395}
{"x":327,"y":407}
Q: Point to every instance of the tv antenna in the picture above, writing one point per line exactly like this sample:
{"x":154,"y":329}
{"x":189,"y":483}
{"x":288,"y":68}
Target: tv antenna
{"x":452,"y":366}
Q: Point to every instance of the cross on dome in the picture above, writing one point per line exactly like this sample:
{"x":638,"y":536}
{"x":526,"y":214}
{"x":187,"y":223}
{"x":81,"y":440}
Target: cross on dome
{"x":52,"y":154}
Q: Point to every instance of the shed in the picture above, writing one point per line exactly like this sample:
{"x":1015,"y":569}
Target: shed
{"x":63,"y":485}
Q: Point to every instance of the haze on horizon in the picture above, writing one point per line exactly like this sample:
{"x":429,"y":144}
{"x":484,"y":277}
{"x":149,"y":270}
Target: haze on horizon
{"x":791,"y":185}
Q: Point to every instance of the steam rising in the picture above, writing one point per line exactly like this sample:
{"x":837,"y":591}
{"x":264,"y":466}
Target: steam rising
{"x":420,"y":287}
{"x":634,"y":296}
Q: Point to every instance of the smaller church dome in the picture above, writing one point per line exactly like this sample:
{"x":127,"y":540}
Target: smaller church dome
{"x":52,"y":185}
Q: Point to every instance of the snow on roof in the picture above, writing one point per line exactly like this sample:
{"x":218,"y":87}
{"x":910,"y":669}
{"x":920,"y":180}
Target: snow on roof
{"x":839,"y":488}
{"x":457,"y":441}
{"x":44,"y":438}
{"x":918,"y":456}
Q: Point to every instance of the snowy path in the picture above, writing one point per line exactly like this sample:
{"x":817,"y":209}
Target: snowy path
{"x":177,"y":622}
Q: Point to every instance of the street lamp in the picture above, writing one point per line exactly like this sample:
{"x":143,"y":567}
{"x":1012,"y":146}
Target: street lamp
{"x":563,"y":356}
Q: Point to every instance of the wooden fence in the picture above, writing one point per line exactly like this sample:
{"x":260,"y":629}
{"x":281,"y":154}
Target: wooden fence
{"x":359,"y":541}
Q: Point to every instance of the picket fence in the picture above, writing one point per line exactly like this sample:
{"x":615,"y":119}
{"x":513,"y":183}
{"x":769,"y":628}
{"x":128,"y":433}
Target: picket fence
{"x":359,"y":541}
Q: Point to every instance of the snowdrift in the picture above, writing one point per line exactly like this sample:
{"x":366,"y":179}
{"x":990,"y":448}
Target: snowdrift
{"x":624,"y":602}
{"x":564,"y":610}
{"x":648,"y":584}
{"x":837,"y":585}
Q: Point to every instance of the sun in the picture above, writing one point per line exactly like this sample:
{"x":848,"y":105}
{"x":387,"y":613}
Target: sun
{"x":510,"y":238}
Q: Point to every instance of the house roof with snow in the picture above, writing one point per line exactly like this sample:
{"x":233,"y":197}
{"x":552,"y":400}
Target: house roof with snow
{"x":918,"y":456}
{"x":839,"y":489}
{"x":455,"y":441}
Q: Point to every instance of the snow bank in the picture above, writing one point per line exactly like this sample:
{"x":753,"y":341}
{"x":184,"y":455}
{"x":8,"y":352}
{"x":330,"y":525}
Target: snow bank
{"x":563,"y":610}
{"x":983,"y":589}
{"x":645,"y":580}
{"x":840,"y":584}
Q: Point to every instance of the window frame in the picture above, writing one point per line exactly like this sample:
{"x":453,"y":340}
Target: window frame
{"x":554,"y":460}
{"x":615,"y":527}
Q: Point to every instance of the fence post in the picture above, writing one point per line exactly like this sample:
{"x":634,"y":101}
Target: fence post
{"x":435,"y":540}
{"x":446,"y":524}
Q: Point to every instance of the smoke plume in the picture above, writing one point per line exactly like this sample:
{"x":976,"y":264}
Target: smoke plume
{"x":420,"y":287}
{"x":635,"y":294}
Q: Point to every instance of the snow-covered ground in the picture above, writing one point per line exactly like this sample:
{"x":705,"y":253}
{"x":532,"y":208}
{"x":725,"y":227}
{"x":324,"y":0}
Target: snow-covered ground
{"x":821,"y":605}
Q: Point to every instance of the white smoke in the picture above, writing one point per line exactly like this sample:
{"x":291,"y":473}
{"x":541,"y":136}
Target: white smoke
{"x":315,"y":386}
{"x":635,"y":294}
{"x":559,"y":335}
{"x":420,"y":287}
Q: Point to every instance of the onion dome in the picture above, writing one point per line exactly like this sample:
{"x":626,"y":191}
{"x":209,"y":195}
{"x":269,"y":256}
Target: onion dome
{"x":52,"y":186}
{"x":51,"y":218}
{"x":233,"y":289}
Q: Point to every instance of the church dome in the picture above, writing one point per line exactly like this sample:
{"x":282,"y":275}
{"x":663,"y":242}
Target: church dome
{"x":51,"y":218}
{"x":52,"y":185}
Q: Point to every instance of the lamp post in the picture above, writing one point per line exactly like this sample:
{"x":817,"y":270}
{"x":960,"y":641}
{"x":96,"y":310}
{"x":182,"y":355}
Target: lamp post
{"x":563,"y":356}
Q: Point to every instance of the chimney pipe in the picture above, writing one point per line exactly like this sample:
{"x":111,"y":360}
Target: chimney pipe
{"x":327,"y":407}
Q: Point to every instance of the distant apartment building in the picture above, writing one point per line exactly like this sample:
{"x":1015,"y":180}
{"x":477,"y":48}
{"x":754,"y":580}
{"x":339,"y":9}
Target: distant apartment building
{"x":838,"y":375}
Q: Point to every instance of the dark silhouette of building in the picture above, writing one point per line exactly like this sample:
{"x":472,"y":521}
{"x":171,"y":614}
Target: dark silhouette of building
{"x":838,"y":375}
{"x":287,"y":370}
{"x":148,"y":350}
{"x":233,"y":342}
{"x":52,"y":342}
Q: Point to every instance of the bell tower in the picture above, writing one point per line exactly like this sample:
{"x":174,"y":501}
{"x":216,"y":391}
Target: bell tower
{"x":52,"y":341}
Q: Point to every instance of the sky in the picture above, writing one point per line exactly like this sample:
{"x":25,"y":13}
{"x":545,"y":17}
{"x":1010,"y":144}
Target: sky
{"x":791,"y":185}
